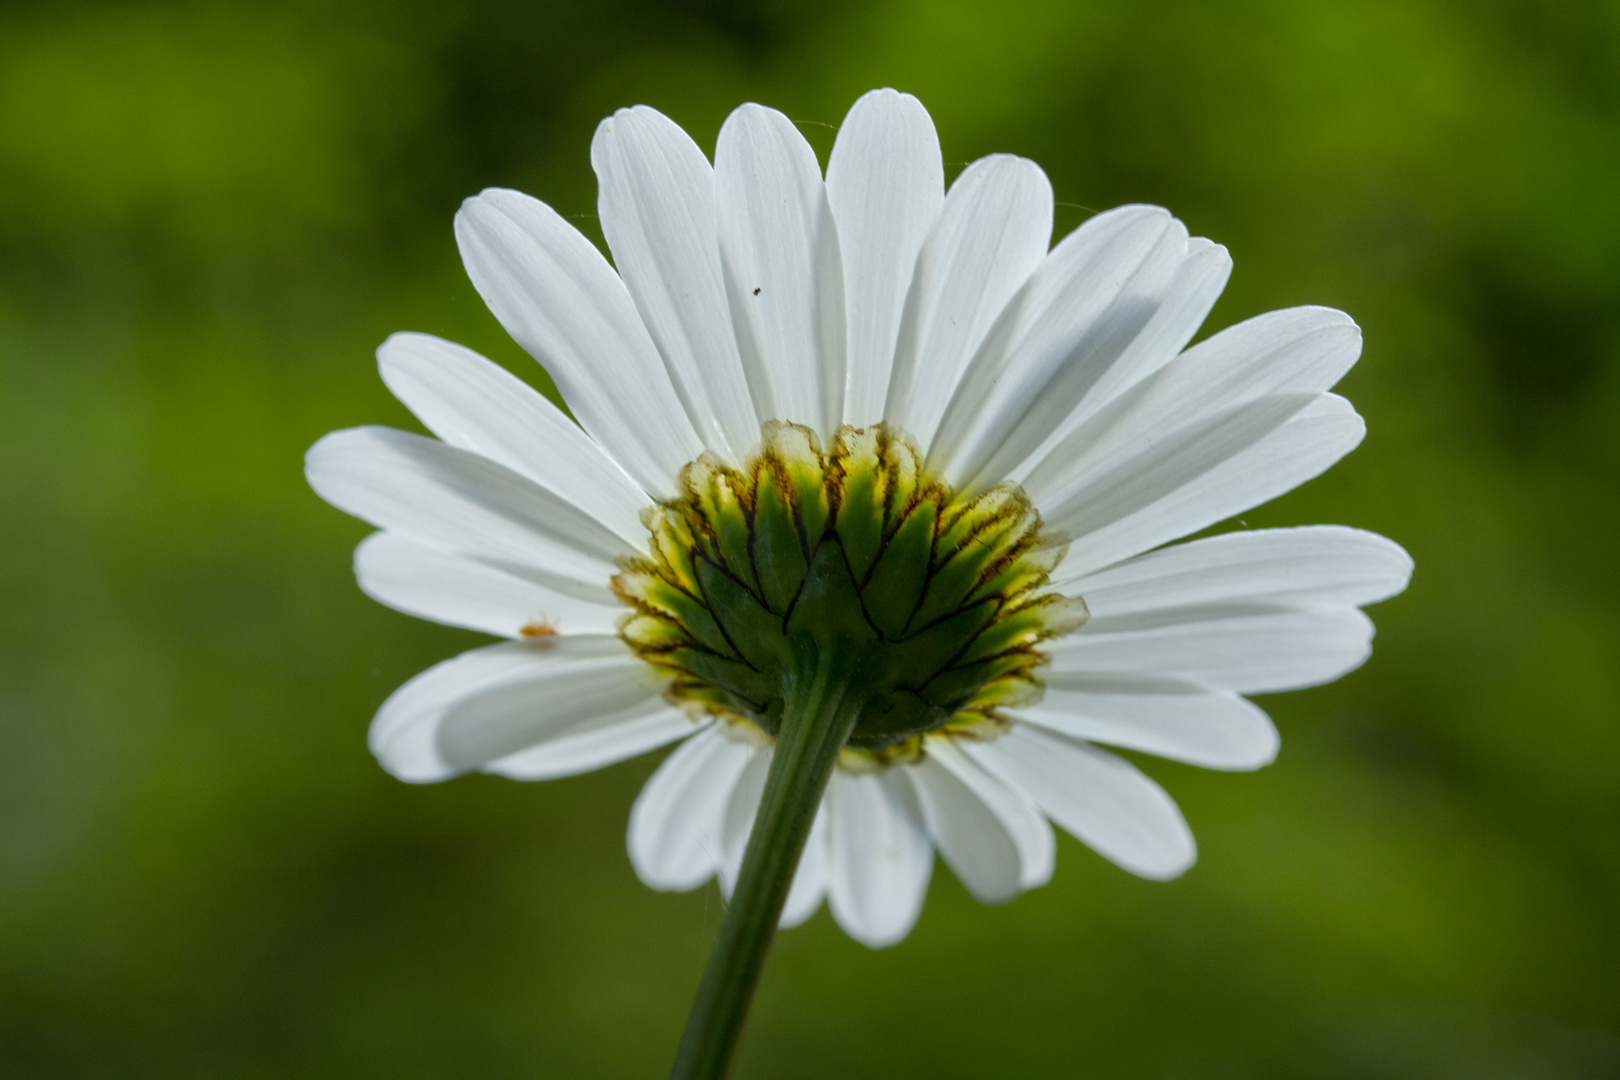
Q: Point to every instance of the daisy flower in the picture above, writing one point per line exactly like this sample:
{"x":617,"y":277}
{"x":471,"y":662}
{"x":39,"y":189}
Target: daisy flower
{"x":866,"y":507}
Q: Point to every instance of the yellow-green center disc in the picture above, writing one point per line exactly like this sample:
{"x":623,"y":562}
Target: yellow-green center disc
{"x":937,"y":598}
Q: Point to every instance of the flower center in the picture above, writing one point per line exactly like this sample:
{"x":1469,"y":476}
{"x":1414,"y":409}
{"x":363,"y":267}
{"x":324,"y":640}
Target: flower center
{"x":855,"y":548}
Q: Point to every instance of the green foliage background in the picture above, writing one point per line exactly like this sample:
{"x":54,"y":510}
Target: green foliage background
{"x":211,"y":213}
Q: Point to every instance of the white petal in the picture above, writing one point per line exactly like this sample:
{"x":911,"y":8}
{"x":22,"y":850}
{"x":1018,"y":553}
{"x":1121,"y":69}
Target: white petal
{"x":657,"y":205}
{"x":676,"y":823}
{"x":1193,"y":290}
{"x":568,"y":698}
{"x":493,"y":701}
{"x":455,"y":500}
{"x":784,"y":273}
{"x":992,"y":232}
{"x":1079,"y":311}
{"x":1319,"y":566}
{"x":1194,"y":480}
{"x":1247,"y":653}
{"x":995,"y":842}
{"x":1294,"y":349}
{"x":558,"y":297}
{"x":1297,"y":352}
{"x":479,"y":406}
{"x":459,"y":591}
{"x":737,"y":822}
{"x":809,"y":880}
{"x":598,"y":743}
{"x":1135,"y":479}
{"x":879,"y":858}
{"x":886,"y":184}
{"x":1102,"y":800}
{"x":1176,"y":720}
{"x":968,"y":834}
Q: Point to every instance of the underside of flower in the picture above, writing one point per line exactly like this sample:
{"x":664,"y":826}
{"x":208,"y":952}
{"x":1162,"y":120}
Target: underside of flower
{"x":937,"y":599}
{"x":859,"y":629}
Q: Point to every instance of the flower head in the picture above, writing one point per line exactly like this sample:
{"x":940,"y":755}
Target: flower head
{"x":861,"y":412}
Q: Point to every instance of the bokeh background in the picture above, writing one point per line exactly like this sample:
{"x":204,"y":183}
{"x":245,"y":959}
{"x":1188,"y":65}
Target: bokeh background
{"x":211,"y":213}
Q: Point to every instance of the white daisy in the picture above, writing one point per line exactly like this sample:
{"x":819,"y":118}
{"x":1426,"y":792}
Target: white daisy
{"x":859,"y":410}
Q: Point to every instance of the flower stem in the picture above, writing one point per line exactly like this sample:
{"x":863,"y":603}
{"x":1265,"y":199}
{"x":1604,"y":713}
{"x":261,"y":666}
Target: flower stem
{"x":819,"y":711}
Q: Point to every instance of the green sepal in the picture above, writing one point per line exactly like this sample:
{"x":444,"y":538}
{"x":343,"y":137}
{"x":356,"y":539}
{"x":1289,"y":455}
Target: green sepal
{"x":962,"y":683}
{"x":754,"y":688}
{"x":648,"y":632}
{"x":892,"y":716}
{"x":673,"y":545}
{"x":968,"y":550}
{"x":1019,"y":627}
{"x":933,"y":603}
{"x":1013,"y":577}
{"x":715,"y":493}
{"x":897,"y":580}
{"x":751,"y":629}
{"x":828,"y":611}
{"x":779,"y":554}
{"x":916,"y":659}
{"x":797,"y":452}
{"x":902,"y":469}
{"x":653,"y":593}
{"x":861,"y":500}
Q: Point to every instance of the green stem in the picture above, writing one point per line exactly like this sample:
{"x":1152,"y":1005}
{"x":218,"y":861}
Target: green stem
{"x":819,"y":711}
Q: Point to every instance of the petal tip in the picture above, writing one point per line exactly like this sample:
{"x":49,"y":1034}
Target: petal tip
{"x":1171,"y":869}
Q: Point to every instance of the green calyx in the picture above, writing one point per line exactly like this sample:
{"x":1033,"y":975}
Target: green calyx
{"x":853,"y":550}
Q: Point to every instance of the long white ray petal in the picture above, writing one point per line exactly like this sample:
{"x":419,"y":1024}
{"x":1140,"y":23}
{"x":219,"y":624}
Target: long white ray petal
{"x":886,"y":184}
{"x":522,"y":715}
{"x":596,"y":744}
{"x":456,"y":500}
{"x":1248,"y":654}
{"x":1040,"y":392}
{"x":1153,"y":467}
{"x":970,"y":837}
{"x":1077,"y":395}
{"x":1299,"y":351}
{"x":1316,"y":566}
{"x":737,"y":821}
{"x":1189,"y":492}
{"x":809,"y":880}
{"x":676,"y":823}
{"x":879,"y":859}
{"x":1171,"y":718}
{"x":1103,"y":801}
{"x":458,"y":591}
{"x":1037,"y":848}
{"x":476,"y":405}
{"x":656,"y":200}
{"x":784,"y":275}
{"x":995,"y":842}
{"x":992,"y":232}
{"x":1079,"y":311}
{"x":558,"y":298}
{"x":564,"y":679}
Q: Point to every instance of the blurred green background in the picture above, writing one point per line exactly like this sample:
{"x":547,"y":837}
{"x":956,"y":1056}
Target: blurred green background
{"x":211,"y":213}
